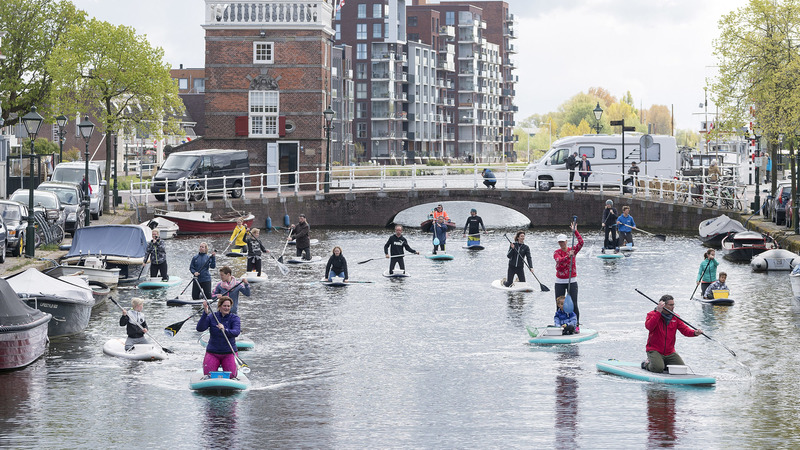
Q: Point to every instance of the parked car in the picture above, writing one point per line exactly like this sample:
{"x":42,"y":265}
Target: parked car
{"x":15,"y":219}
{"x":73,"y":172}
{"x":72,"y":197}
{"x":778,"y":206}
{"x":189,"y":170}
{"x":44,"y":201}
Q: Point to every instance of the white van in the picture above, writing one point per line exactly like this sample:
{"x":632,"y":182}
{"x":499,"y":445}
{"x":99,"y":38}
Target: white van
{"x":604,"y":152}
{"x":73,"y":172}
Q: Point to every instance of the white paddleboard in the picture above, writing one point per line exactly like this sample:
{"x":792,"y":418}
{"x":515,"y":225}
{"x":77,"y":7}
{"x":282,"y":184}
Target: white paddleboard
{"x":335,"y":282}
{"x":552,"y":335}
{"x":312,"y":241}
{"x":253,"y":278}
{"x":139,"y":352}
{"x":516,"y":287}
{"x":300,"y":260}
{"x":714,"y":301}
{"x":396,"y":274}
{"x":634,"y":370}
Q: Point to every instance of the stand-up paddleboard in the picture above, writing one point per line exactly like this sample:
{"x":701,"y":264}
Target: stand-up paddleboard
{"x":440,"y":257}
{"x":516,"y":287}
{"x":312,"y":241}
{"x":610,"y":255}
{"x":634,"y":370}
{"x":714,"y":301}
{"x":335,"y":282}
{"x":473,"y":247}
{"x":236,"y":252}
{"x":139,"y":352}
{"x":396,"y":274}
{"x":254,"y":278}
{"x":552,"y":335}
{"x":241,"y":344}
{"x":158,"y":283}
{"x":300,"y":260}
{"x":184,"y":301}
{"x":216,"y":383}
{"x":628,"y":249}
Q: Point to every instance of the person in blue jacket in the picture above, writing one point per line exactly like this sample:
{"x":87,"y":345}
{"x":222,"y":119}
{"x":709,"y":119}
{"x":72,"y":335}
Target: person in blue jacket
{"x":229,"y":286}
{"x":626,"y":225}
{"x":567,"y":322}
{"x":440,"y":233}
{"x":200,"y":265}
{"x":223,"y":326}
{"x":488,"y":178}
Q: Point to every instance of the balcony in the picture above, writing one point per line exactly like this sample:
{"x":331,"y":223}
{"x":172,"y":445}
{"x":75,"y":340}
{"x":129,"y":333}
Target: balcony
{"x":509,"y":32}
{"x":447,"y":66}
{"x":382,"y":56}
{"x":308,"y":14}
{"x":447,"y":30}
{"x":510,"y":48}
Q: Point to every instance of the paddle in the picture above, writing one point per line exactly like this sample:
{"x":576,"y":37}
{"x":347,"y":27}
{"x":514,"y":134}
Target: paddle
{"x":140,"y":327}
{"x":569,"y":306}
{"x":242,"y":365}
{"x":284,"y":270}
{"x":701,"y":282}
{"x":172,"y":330}
{"x":289,"y":235}
{"x":184,"y":289}
{"x":688,"y":324}
{"x":541,"y":286}
{"x":660,"y":237}
{"x":393,"y":256}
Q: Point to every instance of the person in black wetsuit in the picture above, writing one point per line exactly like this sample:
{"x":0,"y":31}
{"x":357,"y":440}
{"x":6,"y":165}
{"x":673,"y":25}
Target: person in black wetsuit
{"x":609,"y":224}
{"x":518,"y":252}
{"x":254,"y":251}
{"x":337,"y":265}
{"x":473,"y":227}
{"x":394,"y":246}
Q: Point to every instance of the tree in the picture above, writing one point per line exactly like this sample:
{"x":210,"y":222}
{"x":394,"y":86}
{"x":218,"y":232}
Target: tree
{"x":120,"y":77}
{"x":660,"y":117}
{"x":34,"y":28}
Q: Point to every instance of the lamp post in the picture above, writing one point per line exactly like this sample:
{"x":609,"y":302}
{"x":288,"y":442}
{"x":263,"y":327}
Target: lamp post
{"x":87,"y":128}
{"x":32,"y":122}
{"x":621,"y":123}
{"x":61,"y":121}
{"x":757,"y":199}
{"x":328,"y":113}
{"x":549,"y":133}
{"x":598,"y":113}
{"x":795,"y":214}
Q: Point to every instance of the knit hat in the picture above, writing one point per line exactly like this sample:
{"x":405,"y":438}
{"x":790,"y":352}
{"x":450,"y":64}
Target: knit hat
{"x":473,"y":210}
{"x":609,"y":202}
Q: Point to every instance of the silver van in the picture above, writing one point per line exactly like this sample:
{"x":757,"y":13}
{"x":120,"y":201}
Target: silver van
{"x":73,"y":172}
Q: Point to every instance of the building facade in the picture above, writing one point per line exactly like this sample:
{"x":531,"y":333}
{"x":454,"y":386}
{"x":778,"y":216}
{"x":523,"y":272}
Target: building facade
{"x":342,"y":103}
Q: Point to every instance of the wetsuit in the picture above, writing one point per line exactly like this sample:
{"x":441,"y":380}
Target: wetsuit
{"x":394,"y":246}
{"x":472,"y":228}
{"x":516,"y":262}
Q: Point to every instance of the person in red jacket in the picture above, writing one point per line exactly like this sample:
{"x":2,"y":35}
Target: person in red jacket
{"x":566,"y":273}
{"x":662,"y":325}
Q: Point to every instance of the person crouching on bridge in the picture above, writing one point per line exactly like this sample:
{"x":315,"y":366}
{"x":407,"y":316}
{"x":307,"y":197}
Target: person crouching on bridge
{"x":440,"y":234}
{"x":394,"y":246}
{"x":518,"y":252}
{"x":489,"y":179}
{"x":300,"y":235}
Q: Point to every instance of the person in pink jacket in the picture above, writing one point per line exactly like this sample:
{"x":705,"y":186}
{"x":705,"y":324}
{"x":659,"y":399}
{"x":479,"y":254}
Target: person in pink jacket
{"x":663,"y":325}
{"x":566,"y":273}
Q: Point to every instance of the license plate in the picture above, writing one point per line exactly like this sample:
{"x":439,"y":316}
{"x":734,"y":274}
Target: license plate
{"x":161,"y":190}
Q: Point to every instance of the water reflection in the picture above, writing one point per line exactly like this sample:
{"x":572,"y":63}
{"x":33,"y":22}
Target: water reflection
{"x":661,"y":430}
{"x":516,"y":308}
{"x":221,"y":426}
{"x":566,"y":397}
{"x":19,"y":393}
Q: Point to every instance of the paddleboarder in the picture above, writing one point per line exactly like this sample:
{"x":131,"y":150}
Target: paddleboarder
{"x":566,"y":271}
{"x":394,"y":246}
{"x":517,"y":253}
{"x":230,"y":286}
{"x":135,"y":324}
{"x":238,"y":235}
{"x":224,"y":325}
{"x":609,"y":224}
{"x":662,"y":327}
{"x":299,"y":232}
{"x":337,"y":265}
{"x":439,"y":234}
{"x":626,"y":226}
{"x":473,"y":228}
{"x":254,"y":251}
{"x":199,"y":267}
{"x":717,"y":285}
{"x":157,"y":254}
{"x":707,"y":272}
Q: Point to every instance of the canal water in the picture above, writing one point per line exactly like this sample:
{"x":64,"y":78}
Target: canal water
{"x":437,"y":360}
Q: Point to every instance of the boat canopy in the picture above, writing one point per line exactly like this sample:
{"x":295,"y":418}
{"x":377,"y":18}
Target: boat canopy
{"x":33,"y":282}
{"x":13,"y":311}
{"x":123,"y":241}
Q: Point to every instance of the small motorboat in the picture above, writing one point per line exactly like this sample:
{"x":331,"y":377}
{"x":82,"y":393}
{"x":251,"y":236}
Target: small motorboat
{"x":712,"y":231}
{"x":90,"y":267}
{"x":777,"y":259}
{"x":427,"y":226}
{"x":120,"y":247}
{"x":167,"y":229}
{"x":742,"y":247}
{"x":201,"y":222}
{"x":23,"y":330}
{"x":794,"y":279}
{"x":100,"y":292}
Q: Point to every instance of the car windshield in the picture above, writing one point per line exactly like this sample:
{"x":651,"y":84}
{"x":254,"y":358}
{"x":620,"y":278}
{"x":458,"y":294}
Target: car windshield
{"x":180,"y":162}
{"x":65,"y":195}
{"x":10,"y":212}
{"x":73,"y":175}
{"x":46,"y":199}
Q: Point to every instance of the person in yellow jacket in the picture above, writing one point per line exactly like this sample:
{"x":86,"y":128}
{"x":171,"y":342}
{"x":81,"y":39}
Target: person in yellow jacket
{"x":239,"y":233}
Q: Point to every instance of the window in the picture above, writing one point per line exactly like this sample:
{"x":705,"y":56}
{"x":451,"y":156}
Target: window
{"x":377,"y":31}
{"x":412,"y":21}
{"x":361,"y":130}
{"x":183,"y":83}
{"x":199,"y":85}
{"x":361,"y":90}
{"x":413,"y":36}
{"x":361,"y":110}
{"x":652,"y":153}
{"x":262,"y":53}
{"x":609,"y":153}
{"x":559,"y":157}
{"x":361,"y":31}
{"x":588,"y":151}
{"x":361,"y":51}
{"x":338,"y":32}
{"x":377,"y":11}
{"x":450,"y":18}
{"x":361,"y":71}
{"x":264,"y":109}
{"x":362,"y":11}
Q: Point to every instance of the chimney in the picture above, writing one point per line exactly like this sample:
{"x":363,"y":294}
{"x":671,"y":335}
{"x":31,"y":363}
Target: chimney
{"x":181,"y":66}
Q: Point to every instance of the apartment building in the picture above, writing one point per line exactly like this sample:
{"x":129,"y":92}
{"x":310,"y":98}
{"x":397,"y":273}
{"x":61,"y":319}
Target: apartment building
{"x":342,"y":103}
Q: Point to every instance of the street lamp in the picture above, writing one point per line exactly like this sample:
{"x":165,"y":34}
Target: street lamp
{"x":549,"y":133}
{"x":61,"y":121}
{"x":32,"y":122}
{"x":328,"y":113}
{"x":757,"y":199}
{"x":87,"y":128}
{"x":794,"y":169}
{"x":598,"y":112}
{"x":621,"y":123}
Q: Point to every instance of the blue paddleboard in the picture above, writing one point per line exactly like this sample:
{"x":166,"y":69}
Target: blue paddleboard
{"x":610,"y":255}
{"x":440,"y":257}
{"x":634,"y":370}
{"x":219,"y":385}
{"x":157,"y":283}
{"x":542,"y":338}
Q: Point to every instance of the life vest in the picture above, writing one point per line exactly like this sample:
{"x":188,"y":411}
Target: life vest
{"x":437,"y":214}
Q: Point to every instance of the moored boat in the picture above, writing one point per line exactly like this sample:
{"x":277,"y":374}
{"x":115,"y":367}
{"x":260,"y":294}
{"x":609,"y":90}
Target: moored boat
{"x":427,"y":226}
{"x":69,"y":303}
{"x":712,"y":231}
{"x":90,"y":267}
{"x":23,"y":330}
{"x":743,"y":246}
{"x":794,"y":280}
{"x":777,"y":259}
{"x":167,"y":229}
{"x":116,"y":246}
{"x":202,"y":222}
{"x":100,"y":292}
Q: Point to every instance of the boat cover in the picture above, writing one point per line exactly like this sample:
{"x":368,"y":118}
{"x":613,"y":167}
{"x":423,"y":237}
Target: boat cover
{"x":720,"y":225}
{"x":34,"y":282}
{"x":14,"y":311}
{"x":127,"y":241}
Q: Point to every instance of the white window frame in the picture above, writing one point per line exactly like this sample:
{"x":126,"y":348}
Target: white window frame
{"x":263,"y":111}
{"x":270,"y":52}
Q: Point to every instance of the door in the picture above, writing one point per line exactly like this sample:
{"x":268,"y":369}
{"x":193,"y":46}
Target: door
{"x":272,"y":165}
{"x":287,"y":162}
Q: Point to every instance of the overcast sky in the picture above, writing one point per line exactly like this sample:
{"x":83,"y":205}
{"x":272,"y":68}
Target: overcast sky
{"x":659,"y":50}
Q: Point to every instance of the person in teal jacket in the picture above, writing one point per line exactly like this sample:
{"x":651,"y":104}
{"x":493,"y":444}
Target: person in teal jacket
{"x":707,"y":273}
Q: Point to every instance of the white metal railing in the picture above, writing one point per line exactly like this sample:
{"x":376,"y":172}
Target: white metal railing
{"x":316,"y":13}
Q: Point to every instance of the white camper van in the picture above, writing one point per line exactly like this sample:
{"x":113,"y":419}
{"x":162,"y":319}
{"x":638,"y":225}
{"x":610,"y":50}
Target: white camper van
{"x":605,"y":154}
